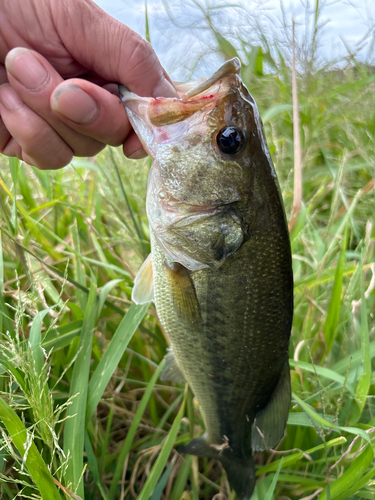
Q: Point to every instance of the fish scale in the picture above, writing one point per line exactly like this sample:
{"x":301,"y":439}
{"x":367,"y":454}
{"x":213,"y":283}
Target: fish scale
{"x":237,"y":319}
{"x":221,"y":265}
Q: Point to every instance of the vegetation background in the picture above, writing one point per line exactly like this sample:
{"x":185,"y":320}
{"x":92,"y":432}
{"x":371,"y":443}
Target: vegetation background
{"x":82,"y":412}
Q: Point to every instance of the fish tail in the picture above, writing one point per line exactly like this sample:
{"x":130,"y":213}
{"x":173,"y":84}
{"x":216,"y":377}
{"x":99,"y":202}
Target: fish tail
{"x":241,"y":474}
{"x":240,"y":471}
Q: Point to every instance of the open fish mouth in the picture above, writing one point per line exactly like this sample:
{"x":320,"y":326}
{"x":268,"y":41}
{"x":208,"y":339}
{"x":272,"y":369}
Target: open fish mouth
{"x":168,"y":111}
{"x":193,"y":98}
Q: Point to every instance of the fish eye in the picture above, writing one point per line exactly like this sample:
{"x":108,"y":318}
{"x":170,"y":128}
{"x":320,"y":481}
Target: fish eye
{"x":230,"y":140}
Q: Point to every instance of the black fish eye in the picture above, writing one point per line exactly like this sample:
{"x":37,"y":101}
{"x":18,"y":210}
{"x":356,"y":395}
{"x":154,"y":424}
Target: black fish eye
{"x":230,"y":140}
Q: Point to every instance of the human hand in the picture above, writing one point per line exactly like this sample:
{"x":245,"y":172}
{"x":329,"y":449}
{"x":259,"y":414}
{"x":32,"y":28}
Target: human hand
{"x":47,"y":113}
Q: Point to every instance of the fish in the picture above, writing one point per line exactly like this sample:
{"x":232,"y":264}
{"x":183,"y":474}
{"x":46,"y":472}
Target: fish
{"x":220,"y":268}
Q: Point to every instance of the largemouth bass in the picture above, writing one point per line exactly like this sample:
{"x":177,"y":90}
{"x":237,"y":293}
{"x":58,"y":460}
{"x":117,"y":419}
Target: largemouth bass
{"x":220,"y":270}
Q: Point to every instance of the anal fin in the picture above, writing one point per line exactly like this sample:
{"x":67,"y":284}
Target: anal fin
{"x":143,"y":289}
{"x":172,"y":371}
{"x":270,"y":422}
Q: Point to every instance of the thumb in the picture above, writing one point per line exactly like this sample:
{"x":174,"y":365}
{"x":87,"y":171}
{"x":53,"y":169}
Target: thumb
{"x":110,"y":48}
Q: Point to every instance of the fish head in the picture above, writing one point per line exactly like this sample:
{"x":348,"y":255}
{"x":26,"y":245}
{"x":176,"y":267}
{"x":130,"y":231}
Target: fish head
{"x":205,"y":142}
{"x":207,"y":146}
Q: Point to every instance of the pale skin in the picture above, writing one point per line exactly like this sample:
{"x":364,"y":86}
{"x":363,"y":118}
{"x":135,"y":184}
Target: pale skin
{"x":58,"y":62}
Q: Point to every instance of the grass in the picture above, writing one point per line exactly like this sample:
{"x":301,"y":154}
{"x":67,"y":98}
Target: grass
{"x":83,"y":414}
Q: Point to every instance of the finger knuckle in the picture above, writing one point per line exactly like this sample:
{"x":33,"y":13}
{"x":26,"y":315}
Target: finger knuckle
{"x":44,"y":151}
{"x":48,"y":163}
{"x":32,"y":136}
{"x":142,"y":59}
{"x":11,"y":148}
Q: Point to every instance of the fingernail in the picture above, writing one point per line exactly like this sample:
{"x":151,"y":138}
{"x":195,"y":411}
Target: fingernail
{"x":25,"y":67}
{"x":75,"y":104}
{"x":9,"y":98}
{"x":137,"y":155}
{"x":164,"y":89}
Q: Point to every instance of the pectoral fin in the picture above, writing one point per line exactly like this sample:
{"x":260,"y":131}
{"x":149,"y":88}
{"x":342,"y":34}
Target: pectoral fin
{"x":172,"y":371}
{"x":208,"y":239}
{"x":143,"y":289}
{"x":184,"y":298}
{"x":269,"y":424}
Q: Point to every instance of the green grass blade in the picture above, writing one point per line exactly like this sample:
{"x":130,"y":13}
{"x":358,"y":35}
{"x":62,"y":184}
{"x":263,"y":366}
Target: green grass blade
{"x":5,"y":320}
{"x":354,"y":360}
{"x":34,"y":462}
{"x":2,"y":304}
{"x":14,"y":165}
{"x":137,"y":226}
{"x":35,"y":339}
{"x":337,"y":191}
{"x":322,"y":422}
{"x":79,"y":272}
{"x":86,"y":259}
{"x":299,"y":419}
{"x":349,"y":479}
{"x":180,"y":481}
{"x":133,"y":429}
{"x":45,"y":181}
{"x":350,"y":86}
{"x":225,"y":46}
{"x":276,"y":110}
{"x":296,"y":457}
{"x":104,"y":294}
{"x":165,"y":451}
{"x":106,"y":440}
{"x":76,"y":310}
{"x":62,"y":336}
{"x":31,"y":225}
{"x":158,"y":491}
{"x":112,"y":356}
{"x":271,"y":489}
{"x":75,"y":423}
{"x":8,"y":363}
{"x":147,"y":25}
{"x":365,"y":378}
{"x":26,"y":189}
{"x":309,"y":483}
{"x":93,"y":464}
{"x":358,"y":484}
{"x":322,"y":371}
{"x":332,"y":319}
{"x":1,"y":266}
